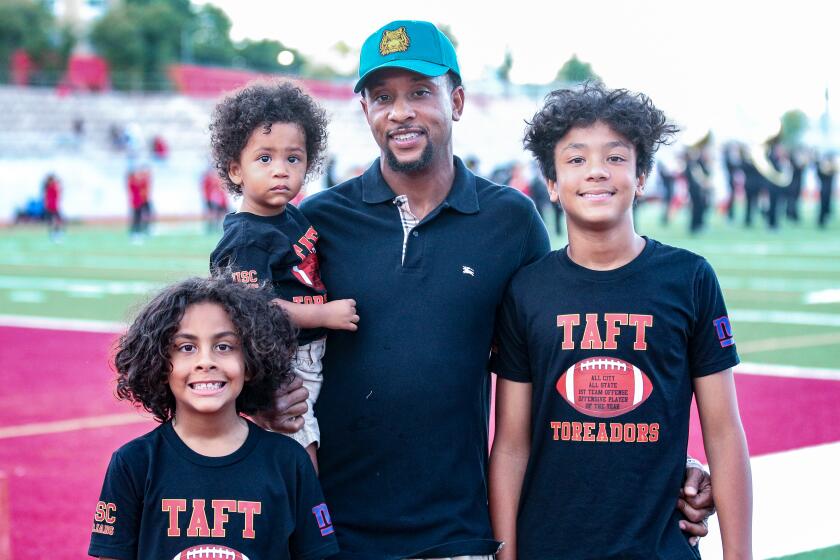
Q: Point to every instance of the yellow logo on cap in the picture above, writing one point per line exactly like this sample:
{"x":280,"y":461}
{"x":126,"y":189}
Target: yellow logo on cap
{"x":394,"y":41}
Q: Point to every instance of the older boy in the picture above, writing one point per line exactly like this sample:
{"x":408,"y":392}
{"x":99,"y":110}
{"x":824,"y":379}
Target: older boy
{"x":601,"y":345}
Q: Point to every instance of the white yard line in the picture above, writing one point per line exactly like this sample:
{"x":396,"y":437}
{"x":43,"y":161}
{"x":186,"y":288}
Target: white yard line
{"x":78,"y":286}
{"x":777,"y":248}
{"x":61,"y":324}
{"x":775,"y":264}
{"x":831,"y":295}
{"x":794,"y":285}
{"x":789,"y":342}
{"x":784,"y":317}
{"x":99,"y":262}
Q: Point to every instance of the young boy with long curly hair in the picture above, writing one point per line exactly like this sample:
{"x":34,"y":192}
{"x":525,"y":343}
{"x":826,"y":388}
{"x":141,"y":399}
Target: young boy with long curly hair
{"x":207,"y":483}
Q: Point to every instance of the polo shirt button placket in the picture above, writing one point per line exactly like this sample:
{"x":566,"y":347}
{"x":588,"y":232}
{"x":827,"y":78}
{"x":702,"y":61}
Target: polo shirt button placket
{"x":415,"y":233}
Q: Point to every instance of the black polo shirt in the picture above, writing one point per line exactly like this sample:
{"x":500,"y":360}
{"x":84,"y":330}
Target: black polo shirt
{"x":404,"y":406}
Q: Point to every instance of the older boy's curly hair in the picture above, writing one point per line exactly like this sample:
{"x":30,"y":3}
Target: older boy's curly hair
{"x":631,"y":115}
{"x":259,"y":105}
{"x":267,"y":339}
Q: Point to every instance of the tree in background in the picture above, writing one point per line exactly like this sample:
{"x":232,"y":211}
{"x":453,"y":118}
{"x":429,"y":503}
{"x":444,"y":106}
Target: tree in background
{"x":29,"y":25}
{"x":346,"y":58}
{"x":140,"y":38}
{"x":262,"y":56}
{"x":120,"y":41}
{"x":210,"y":41}
{"x":575,"y":71}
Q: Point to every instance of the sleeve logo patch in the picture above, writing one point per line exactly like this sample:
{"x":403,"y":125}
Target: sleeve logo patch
{"x":245,"y":276}
{"x":104,"y":518}
{"x":723,"y":328}
{"x":322,"y":517}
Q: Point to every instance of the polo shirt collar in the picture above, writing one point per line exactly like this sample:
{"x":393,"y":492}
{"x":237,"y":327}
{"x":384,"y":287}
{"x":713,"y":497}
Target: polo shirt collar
{"x":462,"y":196}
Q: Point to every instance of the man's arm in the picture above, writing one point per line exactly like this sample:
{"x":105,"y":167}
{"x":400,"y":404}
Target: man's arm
{"x":508,"y":460}
{"x":729,"y":460}
{"x":696,"y":501}
{"x":290,"y":406}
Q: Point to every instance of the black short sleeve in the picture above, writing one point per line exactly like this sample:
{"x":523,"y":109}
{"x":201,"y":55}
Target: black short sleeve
{"x":711,"y":346}
{"x":250,"y":264}
{"x":511,"y":360}
{"x":116,"y":519}
{"x":536,"y":244}
{"x":314,"y":535}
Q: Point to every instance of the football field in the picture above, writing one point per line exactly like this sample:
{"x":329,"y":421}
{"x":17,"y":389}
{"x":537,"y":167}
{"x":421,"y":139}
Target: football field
{"x":61,"y":305}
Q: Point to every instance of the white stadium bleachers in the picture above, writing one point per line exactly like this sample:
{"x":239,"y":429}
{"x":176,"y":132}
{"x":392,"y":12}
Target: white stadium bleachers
{"x":36,"y":138}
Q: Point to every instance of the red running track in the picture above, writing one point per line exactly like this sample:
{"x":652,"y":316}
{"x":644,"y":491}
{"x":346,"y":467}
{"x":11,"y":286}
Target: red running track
{"x":54,"y":479}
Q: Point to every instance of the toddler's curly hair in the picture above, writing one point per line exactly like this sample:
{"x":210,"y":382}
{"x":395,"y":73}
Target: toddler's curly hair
{"x":259,"y":105}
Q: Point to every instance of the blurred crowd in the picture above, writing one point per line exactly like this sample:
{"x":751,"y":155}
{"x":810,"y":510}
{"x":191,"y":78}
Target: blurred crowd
{"x":765,"y":184}
{"x":748,"y":184}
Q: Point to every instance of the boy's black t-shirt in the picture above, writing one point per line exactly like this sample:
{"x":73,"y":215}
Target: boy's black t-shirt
{"x":161,"y":499}
{"x":279,"y":250}
{"x":611,"y":356}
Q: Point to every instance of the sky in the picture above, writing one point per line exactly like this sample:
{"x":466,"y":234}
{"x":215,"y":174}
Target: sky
{"x":735,"y":66}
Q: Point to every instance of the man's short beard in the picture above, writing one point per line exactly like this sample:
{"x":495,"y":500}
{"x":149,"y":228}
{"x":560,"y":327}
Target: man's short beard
{"x":411,"y":166}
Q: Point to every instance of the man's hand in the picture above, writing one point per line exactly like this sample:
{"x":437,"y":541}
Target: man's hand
{"x":290,"y":406}
{"x":341,"y":315}
{"x":696,"y":503}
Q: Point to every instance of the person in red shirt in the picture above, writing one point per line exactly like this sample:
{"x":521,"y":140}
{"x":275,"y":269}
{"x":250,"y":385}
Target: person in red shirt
{"x":52,"y":207}
{"x":159,"y":148}
{"x":215,"y":200}
{"x":139,"y":186}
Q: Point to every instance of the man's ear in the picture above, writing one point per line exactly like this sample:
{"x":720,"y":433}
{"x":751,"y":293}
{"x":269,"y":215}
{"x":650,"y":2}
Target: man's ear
{"x":235,"y":172}
{"x":457,"y":98}
{"x":363,"y":101}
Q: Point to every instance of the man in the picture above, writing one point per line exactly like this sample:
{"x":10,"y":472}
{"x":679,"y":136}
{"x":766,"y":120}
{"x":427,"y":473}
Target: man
{"x":426,"y":249}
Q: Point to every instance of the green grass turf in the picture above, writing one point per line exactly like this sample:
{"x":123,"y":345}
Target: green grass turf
{"x":832,"y":553}
{"x":97,"y":273}
{"x":763,"y":271}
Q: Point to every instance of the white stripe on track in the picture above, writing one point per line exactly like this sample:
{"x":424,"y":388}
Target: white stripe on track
{"x":775,"y":370}
{"x":71,"y":425}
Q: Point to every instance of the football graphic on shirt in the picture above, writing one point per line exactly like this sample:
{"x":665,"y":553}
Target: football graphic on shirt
{"x":307,"y":272}
{"x":604,"y":387}
{"x":209,"y":552}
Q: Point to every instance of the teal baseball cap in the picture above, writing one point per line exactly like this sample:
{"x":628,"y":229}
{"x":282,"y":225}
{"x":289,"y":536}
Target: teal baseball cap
{"x":418,"y":46}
